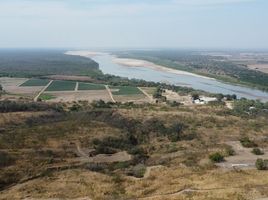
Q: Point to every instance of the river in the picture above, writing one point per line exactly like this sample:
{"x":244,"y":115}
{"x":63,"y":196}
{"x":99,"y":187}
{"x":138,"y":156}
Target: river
{"x":107,"y":66}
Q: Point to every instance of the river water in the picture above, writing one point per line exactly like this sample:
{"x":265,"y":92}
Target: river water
{"x":107,"y":66}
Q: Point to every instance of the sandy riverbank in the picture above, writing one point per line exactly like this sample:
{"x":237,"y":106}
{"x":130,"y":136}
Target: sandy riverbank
{"x":88,"y":54}
{"x":134,"y":63}
{"x":143,"y":63}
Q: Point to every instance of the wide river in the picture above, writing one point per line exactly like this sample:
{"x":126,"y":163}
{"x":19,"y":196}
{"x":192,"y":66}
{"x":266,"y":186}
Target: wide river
{"x":197,"y":82}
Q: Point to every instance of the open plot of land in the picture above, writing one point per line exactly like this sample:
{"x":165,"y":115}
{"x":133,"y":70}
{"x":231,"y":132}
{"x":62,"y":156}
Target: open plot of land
{"x":69,"y":78}
{"x":125,"y":90}
{"x":259,"y":67}
{"x":243,"y":158}
{"x":90,"y":86}
{"x":69,"y":96}
{"x":35,"y":82}
{"x":149,"y":90}
{"x":174,"y":96}
{"x":61,"y":86}
{"x":141,"y":98}
{"x":12,"y":87}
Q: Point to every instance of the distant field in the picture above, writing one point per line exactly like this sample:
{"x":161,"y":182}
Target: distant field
{"x":61,"y":86}
{"x":125,"y":90}
{"x":90,"y":86}
{"x":35,"y":82}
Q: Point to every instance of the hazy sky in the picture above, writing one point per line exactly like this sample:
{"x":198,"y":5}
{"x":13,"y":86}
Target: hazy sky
{"x":134,"y":23}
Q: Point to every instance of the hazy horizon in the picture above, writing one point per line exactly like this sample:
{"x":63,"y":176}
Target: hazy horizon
{"x":114,"y":24}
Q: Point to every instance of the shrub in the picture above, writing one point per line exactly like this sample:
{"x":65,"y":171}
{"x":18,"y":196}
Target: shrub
{"x":229,"y":151}
{"x":257,"y":151}
{"x":246,"y":142}
{"x":5,"y":159}
{"x":137,"y":171}
{"x":216,"y":157}
{"x":261,"y":164}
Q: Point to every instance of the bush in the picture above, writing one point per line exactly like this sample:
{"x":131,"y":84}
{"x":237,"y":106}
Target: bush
{"x":261,"y":164}
{"x":229,"y":151}
{"x":5,"y":159}
{"x":216,"y":157}
{"x":257,"y":151}
{"x":137,"y":171}
{"x":246,"y":142}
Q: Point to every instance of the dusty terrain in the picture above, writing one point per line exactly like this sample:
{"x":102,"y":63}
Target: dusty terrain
{"x":243,"y":157}
{"x":259,"y":67}
{"x":173,"y":96}
{"x":12,"y":86}
{"x":69,"y":78}
{"x":69,"y":96}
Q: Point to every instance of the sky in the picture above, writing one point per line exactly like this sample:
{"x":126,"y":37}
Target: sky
{"x":86,"y":24}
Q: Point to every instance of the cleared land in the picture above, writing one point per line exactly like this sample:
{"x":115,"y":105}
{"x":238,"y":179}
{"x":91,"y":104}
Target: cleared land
{"x":259,"y":67}
{"x":125,"y":90}
{"x":12,"y":87}
{"x":243,"y":157}
{"x":35,"y":82}
{"x":61,"y":86}
{"x":90,"y":86}
{"x":70,"y":96}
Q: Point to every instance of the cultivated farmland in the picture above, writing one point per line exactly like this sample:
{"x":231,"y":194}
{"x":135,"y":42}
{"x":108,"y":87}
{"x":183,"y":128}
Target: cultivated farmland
{"x":90,"y":86}
{"x":62,"y":86}
{"x":35,"y":82}
{"x":127,"y":93}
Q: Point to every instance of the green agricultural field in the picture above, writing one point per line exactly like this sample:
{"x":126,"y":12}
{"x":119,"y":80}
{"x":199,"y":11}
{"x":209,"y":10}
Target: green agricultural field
{"x":90,"y":86}
{"x":61,"y":86}
{"x":125,"y":90}
{"x":35,"y":82}
{"x":46,"y":97}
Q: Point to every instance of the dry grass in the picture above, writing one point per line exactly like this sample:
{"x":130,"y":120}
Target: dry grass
{"x":186,"y":172}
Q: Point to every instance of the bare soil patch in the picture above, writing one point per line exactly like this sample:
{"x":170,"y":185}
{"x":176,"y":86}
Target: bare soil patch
{"x":70,"y":78}
{"x":243,"y":157}
{"x":132,"y":98}
{"x":174,"y":96}
{"x":11,"y":85}
{"x":69,"y":96}
{"x":259,"y":67}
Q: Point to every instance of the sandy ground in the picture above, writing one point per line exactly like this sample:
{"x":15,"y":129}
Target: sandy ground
{"x":69,"y":96}
{"x":243,"y":156}
{"x":173,"y":96}
{"x":259,"y":67}
{"x":140,"y":98}
{"x":11,"y":85}
{"x":143,"y":63}
{"x":84,"y":53}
